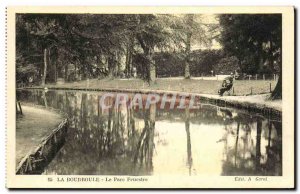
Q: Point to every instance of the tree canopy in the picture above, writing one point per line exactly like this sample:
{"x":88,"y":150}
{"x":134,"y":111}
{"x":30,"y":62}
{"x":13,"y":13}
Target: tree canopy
{"x":98,"y":42}
{"x":255,"y":40}
{"x":81,"y":46}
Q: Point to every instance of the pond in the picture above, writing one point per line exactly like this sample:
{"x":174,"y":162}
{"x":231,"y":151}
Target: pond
{"x":209,"y":140}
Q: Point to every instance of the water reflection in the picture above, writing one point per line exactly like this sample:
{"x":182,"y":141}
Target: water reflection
{"x":133,"y":141}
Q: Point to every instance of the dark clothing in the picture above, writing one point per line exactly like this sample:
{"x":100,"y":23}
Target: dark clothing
{"x":227,"y":81}
{"x":226,"y":85}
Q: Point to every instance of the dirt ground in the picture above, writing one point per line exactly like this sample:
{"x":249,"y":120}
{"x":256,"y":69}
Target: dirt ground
{"x":32,"y":127}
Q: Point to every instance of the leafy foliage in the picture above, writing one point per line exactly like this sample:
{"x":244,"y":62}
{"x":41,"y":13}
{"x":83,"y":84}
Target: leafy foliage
{"x":254,"y":39}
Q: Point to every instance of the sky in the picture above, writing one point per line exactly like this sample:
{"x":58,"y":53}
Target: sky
{"x":207,"y":19}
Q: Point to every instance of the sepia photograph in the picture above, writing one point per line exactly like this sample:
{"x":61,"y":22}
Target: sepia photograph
{"x":131,"y":98}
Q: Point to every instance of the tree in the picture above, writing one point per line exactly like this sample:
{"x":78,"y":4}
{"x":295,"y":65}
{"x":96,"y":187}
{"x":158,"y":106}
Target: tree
{"x":106,"y":36}
{"x":189,"y":22}
{"x":151,"y":34}
{"x":255,"y":40}
{"x":38,"y":35}
{"x":189,"y":30}
{"x":91,"y":42}
{"x":44,"y":29}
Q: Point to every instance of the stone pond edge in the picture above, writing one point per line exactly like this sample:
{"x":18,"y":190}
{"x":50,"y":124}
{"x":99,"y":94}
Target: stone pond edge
{"x":44,"y":152}
{"x":252,"y":107}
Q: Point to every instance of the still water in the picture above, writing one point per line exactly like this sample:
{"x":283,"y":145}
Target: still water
{"x":209,"y":140}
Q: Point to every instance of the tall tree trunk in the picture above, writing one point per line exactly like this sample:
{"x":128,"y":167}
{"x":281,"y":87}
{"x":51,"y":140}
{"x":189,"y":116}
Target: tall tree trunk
{"x":128,"y":63}
{"x":131,"y":47}
{"x":148,"y":53}
{"x":111,"y":65}
{"x":277,"y":92}
{"x":45,"y":67}
{"x":187,"y":74}
{"x":55,"y":72}
{"x":189,"y":23}
{"x":66,"y":72}
{"x":151,"y":66}
{"x":271,"y":57}
{"x":152,"y":69}
{"x":75,"y":72}
{"x":119,"y":71}
{"x":49,"y":61}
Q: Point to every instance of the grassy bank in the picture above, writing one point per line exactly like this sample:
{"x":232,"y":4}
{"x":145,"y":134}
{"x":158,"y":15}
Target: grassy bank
{"x":241,"y":87}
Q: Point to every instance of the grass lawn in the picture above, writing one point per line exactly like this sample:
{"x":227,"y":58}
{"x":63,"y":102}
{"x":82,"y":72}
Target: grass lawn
{"x":241,"y":87}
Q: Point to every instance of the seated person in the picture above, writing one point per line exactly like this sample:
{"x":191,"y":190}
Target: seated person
{"x":227,"y":84}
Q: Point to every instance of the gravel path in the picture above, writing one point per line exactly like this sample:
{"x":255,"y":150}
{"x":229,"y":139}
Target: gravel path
{"x":32,"y":127}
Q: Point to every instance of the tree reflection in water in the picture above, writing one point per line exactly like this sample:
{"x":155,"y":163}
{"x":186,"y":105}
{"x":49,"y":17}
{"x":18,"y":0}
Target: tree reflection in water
{"x":145,"y":146}
{"x":132,"y":141}
{"x":252,"y":153}
{"x":188,"y":140}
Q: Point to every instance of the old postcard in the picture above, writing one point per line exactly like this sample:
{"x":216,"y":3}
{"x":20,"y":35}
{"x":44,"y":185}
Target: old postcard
{"x":150,"y":97}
